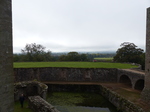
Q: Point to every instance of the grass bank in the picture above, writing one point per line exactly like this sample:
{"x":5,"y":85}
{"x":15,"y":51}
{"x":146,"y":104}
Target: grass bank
{"x":73,"y":65}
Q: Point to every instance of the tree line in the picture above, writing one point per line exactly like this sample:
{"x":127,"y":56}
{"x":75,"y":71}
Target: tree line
{"x":128,"y":53}
{"x":36,"y":53}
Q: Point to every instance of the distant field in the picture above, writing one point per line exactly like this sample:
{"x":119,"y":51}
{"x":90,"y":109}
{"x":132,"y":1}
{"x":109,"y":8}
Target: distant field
{"x":73,"y":65}
{"x":105,"y":59}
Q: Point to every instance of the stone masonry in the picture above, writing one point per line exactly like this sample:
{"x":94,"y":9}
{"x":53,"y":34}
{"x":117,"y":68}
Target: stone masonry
{"x":146,"y":91}
{"x":48,"y":74}
{"x":52,"y":74}
{"x":6,"y":65}
{"x":37,"y":104}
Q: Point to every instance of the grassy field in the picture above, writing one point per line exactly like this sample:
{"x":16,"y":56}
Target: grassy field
{"x":104,"y":59}
{"x":72,"y":65}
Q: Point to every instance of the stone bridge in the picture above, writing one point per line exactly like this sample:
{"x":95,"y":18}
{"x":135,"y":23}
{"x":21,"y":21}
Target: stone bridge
{"x":133,"y":78}
{"x":130,"y":77}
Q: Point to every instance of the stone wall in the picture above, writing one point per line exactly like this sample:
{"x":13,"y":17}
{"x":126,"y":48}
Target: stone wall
{"x":30,"y":88}
{"x":6,"y":63}
{"x":37,"y":104}
{"x":66,"y":74}
{"x":121,"y":103}
{"x":51,"y":74}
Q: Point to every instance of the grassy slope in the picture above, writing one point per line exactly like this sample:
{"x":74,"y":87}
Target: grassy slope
{"x":72,"y":65}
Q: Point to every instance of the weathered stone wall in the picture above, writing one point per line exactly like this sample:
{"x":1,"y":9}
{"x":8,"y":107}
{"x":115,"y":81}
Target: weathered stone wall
{"x":78,"y":75}
{"x":66,"y":74}
{"x":30,"y":88}
{"x":146,"y":91}
{"x":37,"y":104}
{"x":121,"y":103}
{"x":6,"y":66}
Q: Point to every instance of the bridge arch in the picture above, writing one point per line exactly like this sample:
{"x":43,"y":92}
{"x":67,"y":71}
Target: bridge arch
{"x":139,"y":85}
{"x":126,"y":80}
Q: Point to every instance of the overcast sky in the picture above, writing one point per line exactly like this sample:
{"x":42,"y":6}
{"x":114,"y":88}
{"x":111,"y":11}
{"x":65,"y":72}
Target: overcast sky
{"x":79,"y":25}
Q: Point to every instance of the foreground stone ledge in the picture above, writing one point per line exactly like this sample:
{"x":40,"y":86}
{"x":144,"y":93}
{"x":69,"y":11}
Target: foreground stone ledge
{"x":38,"y":104}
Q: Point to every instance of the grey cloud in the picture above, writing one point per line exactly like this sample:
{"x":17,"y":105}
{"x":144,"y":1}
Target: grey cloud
{"x":79,"y":24}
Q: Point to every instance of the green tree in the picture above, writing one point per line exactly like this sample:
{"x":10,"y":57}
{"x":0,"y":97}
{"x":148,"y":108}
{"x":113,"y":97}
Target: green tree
{"x":63,"y":58}
{"x":129,"y":53}
{"x":16,"y":58}
{"x":142,"y":61}
{"x":35,"y":52}
{"x":83,"y":57}
{"x":73,"y":56}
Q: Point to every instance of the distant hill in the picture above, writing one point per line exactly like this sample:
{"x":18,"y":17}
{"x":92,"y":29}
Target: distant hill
{"x":90,"y":52}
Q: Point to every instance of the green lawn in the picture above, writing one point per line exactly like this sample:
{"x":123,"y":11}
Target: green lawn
{"x":17,"y":107}
{"x":72,"y":65}
{"x":105,"y":59}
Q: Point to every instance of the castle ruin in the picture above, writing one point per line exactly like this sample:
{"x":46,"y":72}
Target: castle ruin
{"x":6,"y":62}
